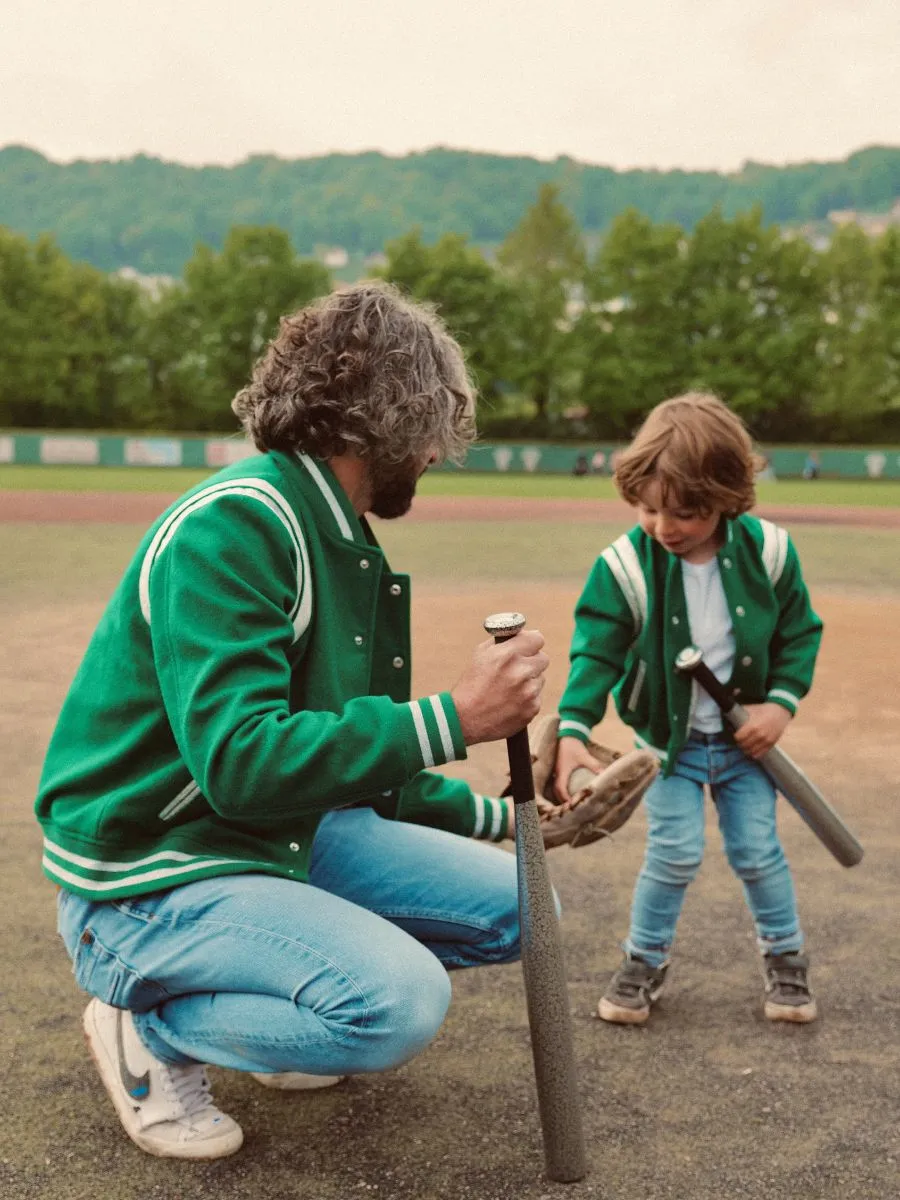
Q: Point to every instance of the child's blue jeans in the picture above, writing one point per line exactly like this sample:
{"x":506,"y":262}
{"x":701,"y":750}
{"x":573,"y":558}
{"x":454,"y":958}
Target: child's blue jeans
{"x":344,"y":975}
{"x":745,"y":804}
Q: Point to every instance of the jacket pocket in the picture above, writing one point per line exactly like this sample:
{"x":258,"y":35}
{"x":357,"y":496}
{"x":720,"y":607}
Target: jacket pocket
{"x":636,"y":686}
{"x":178,"y":803}
{"x":100,"y":972}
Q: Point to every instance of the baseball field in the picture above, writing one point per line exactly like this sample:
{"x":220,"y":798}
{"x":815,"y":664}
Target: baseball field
{"x":708,"y":1102}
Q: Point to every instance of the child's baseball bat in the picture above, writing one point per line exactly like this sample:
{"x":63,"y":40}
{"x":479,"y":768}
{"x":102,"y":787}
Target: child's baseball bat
{"x":546,"y":993}
{"x":799,"y":791}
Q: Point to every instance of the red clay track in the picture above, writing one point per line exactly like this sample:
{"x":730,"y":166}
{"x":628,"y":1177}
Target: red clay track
{"x":144,"y":507}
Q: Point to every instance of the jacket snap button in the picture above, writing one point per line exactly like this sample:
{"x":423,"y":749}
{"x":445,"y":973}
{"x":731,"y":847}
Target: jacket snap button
{"x":364,"y":563}
{"x":395,"y":589}
{"x":398,"y":662}
{"x":87,"y":938}
{"x":294,"y":846}
{"x":358,"y":639}
{"x":746,"y":660}
{"x":674,"y":620}
{"x":739,"y":610}
{"x":726,"y":562}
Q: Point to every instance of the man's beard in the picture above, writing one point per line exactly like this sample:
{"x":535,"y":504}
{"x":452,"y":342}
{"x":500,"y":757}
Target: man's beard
{"x":393,"y":488}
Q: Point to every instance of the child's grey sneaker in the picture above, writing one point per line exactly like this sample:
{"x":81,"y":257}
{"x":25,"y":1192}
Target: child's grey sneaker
{"x":167,"y":1111}
{"x":631,"y":992}
{"x":788,"y":997}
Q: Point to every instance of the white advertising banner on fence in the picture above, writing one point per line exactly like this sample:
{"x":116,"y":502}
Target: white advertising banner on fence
{"x":152,"y":452}
{"x":7,"y":450}
{"x":82,"y":451}
{"x":222,"y":452}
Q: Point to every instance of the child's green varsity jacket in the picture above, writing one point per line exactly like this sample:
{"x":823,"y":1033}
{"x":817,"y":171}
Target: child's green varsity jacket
{"x":250,"y":673}
{"x":631,"y":622}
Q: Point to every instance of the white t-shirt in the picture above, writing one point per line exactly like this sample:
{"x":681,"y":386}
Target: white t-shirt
{"x":711,"y":632}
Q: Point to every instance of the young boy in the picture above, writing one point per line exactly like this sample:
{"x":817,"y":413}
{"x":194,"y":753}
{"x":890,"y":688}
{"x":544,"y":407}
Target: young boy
{"x":696,"y":570}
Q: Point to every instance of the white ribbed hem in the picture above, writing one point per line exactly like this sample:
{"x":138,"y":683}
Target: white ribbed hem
{"x":491,"y":818}
{"x":574,"y":725}
{"x":792,"y":701}
{"x":432,"y":727}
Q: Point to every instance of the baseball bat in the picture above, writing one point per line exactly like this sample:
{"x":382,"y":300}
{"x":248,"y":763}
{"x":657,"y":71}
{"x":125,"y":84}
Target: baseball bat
{"x":546,"y":994}
{"x":799,"y":791}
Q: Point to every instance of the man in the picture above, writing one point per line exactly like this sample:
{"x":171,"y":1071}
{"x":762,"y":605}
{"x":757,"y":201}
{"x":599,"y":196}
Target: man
{"x":256,"y":868}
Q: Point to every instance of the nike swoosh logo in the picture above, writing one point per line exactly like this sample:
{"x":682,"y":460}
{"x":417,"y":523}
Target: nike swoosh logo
{"x":137,"y":1086}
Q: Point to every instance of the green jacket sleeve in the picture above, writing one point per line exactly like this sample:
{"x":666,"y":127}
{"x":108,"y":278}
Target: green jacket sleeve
{"x":435,"y":800}
{"x":221,"y":592}
{"x":604,"y":631}
{"x":793,"y":649}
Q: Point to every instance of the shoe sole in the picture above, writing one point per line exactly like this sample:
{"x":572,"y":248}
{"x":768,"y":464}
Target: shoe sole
{"x":125,"y":1114}
{"x":607,"y":1011}
{"x":287,"y":1082}
{"x":797,"y":1014}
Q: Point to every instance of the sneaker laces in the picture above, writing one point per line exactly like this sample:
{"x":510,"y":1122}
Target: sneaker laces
{"x":189,"y":1088}
{"x":789,"y":977}
{"x":635,"y":979}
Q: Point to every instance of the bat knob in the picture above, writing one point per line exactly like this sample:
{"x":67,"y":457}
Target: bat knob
{"x":504,"y":624}
{"x":688,"y":660}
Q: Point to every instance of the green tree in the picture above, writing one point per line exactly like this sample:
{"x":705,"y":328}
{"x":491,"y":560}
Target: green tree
{"x":545,"y":261}
{"x":408,"y":262}
{"x":208,"y":332}
{"x":633,"y":334}
{"x":476,"y":302}
{"x":887,"y":306}
{"x":854,"y":377}
{"x":755,"y":320}
{"x":67,"y":334}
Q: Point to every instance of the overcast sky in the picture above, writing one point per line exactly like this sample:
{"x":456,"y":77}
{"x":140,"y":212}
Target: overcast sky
{"x":649,"y":83}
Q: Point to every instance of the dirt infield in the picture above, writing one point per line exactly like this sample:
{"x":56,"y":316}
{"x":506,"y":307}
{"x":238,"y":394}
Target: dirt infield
{"x":144,"y":507}
{"x":708,"y":1102}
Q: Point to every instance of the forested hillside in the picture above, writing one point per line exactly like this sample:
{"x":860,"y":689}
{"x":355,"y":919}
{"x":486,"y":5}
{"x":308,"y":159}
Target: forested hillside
{"x":150,"y":215}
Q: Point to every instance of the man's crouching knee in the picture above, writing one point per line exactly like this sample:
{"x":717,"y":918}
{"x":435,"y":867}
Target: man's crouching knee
{"x":400,"y":1009}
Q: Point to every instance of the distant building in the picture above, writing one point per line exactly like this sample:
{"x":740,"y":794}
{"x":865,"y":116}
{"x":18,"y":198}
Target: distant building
{"x":153,"y":285}
{"x":335,"y":258}
{"x":843,"y":216}
{"x":871,"y":224}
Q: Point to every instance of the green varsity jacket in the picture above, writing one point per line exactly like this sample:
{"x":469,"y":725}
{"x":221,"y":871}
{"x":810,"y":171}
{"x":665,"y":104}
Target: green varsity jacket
{"x":250,"y":673}
{"x":631,"y":622}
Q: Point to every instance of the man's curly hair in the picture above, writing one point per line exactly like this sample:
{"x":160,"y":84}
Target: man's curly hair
{"x":363,"y":370}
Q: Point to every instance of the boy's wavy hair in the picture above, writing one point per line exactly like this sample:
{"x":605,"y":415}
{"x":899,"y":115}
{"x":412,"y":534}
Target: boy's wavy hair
{"x":362,"y":370}
{"x":698,"y":451}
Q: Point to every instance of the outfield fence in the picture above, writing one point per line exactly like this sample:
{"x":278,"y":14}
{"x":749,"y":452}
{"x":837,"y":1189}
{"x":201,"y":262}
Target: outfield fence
{"x":533,"y":458}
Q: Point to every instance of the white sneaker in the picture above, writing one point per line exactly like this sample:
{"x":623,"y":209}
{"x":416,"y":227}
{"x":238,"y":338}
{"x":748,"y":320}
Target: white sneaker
{"x":295,"y":1081}
{"x":165,"y":1110}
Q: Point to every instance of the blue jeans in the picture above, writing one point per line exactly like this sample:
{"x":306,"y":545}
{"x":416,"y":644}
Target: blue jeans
{"x":745,"y":805}
{"x":344,"y":975}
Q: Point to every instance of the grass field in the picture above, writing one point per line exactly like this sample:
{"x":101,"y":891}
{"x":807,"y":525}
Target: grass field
{"x":867,"y":492}
{"x":709,"y":1102}
{"x":86,"y":560}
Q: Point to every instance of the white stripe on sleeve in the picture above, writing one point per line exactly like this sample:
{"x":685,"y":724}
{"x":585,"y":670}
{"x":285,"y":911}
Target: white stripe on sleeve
{"x":497,"y":818}
{"x":421,"y":732}
{"x":443,"y":728}
{"x":479,"y":815}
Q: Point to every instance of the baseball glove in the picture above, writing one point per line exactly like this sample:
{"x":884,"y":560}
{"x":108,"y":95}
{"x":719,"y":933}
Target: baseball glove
{"x":602,"y":801}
